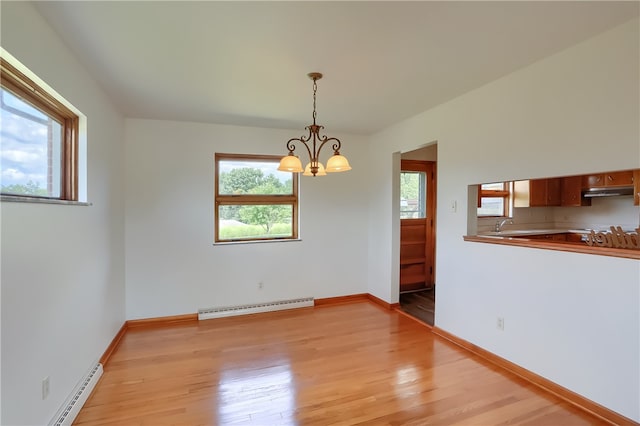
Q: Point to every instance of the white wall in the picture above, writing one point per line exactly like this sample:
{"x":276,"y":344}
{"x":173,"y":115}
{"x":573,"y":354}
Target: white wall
{"x":572,"y":318}
{"x":172,"y":265}
{"x":426,"y":153}
{"x":62,"y":266}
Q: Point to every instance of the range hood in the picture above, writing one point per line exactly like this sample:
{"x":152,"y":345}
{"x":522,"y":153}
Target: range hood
{"x":608,"y":192}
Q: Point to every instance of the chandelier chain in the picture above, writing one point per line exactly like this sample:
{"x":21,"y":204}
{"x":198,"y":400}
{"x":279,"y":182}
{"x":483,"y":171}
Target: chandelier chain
{"x":315,"y":89}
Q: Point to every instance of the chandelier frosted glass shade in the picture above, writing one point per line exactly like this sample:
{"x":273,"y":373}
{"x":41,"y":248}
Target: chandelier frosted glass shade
{"x":337,"y":163}
{"x":320,"y":172}
{"x":290,"y":163}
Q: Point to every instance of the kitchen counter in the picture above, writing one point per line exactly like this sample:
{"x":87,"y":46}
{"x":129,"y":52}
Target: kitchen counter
{"x":525,"y":232}
{"x":547,"y":239}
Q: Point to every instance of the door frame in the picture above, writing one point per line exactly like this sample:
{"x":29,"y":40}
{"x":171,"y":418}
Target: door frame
{"x":429,"y":167}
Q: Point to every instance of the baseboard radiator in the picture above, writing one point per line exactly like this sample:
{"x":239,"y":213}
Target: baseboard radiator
{"x":230,"y":311}
{"x":71,"y":408}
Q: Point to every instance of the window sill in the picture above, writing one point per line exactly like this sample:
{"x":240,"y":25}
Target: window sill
{"x":38,"y":200}
{"x":230,"y":243}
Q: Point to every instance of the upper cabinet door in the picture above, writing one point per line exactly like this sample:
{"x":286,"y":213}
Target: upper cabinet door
{"x":553,"y":191}
{"x":544,"y":192}
{"x":537,"y":192}
{"x":600,"y":180}
{"x":619,"y":178}
{"x":571,"y":192}
{"x":593,"y":181}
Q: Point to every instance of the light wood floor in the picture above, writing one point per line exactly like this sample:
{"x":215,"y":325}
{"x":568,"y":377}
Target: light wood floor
{"x":335,"y":365}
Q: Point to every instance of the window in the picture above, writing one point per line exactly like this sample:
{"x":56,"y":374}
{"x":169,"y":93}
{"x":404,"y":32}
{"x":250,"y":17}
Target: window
{"x":413,"y":200}
{"x":38,"y":154}
{"x":254,"y":201}
{"x":493,"y":199}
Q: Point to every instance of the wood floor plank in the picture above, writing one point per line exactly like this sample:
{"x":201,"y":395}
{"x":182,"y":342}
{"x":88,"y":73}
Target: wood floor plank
{"x":335,"y":365}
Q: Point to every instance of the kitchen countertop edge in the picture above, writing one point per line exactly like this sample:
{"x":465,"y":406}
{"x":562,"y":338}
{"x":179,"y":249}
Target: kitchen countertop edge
{"x":554,"y":245}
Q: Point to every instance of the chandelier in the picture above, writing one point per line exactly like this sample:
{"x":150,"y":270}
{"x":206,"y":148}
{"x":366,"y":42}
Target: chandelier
{"x":314,"y":143}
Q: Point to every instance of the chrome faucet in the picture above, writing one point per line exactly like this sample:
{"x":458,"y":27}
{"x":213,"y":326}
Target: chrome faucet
{"x":500,"y":224}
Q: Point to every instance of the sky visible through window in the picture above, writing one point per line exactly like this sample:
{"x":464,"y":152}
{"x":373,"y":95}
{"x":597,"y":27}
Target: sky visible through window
{"x":24,"y":156}
{"x":267,"y":168}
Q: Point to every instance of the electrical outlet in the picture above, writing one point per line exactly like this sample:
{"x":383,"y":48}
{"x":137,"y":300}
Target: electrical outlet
{"x":45,"y":387}
{"x":500,"y":323}
{"x":260,"y":285}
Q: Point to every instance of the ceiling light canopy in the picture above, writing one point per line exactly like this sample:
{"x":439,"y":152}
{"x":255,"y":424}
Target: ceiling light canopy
{"x":314,"y":143}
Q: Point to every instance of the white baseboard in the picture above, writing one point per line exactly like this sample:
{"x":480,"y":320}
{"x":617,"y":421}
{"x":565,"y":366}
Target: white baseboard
{"x":210,"y":313}
{"x":71,"y":407}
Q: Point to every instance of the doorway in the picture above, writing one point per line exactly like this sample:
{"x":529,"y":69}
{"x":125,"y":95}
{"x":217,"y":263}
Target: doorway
{"x":417,"y":238}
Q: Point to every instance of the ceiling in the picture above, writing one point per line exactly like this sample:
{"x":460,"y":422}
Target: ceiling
{"x":245,"y":63}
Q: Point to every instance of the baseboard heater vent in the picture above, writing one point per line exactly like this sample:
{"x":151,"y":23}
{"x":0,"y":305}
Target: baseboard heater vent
{"x":230,"y":311}
{"x":70,"y":410}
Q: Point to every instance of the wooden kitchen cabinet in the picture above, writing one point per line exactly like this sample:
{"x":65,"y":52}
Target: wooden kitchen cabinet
{"x":608,"y":179}
{"x":553,"y":191}
{"x":536,"y":192}
{"x":544,"y":192}
{"x":593,"y":181}
{"x":624,"y":178}
{"x":571,"y":192}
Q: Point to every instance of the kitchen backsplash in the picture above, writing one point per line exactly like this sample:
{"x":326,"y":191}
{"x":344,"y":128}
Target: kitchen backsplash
{"x":603,"y":213}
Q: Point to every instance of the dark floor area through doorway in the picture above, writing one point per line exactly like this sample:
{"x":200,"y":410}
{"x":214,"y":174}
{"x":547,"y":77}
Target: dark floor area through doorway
{"x":420,"y":304}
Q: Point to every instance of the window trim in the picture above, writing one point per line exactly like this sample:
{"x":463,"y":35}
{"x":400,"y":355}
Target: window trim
{"x":419,"y":166}
{"x":33,"y":94}
{"x":254,"y":199}
{"x":505,"y":194}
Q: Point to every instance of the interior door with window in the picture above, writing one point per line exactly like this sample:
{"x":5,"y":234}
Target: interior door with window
{"x":417,"y":221}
